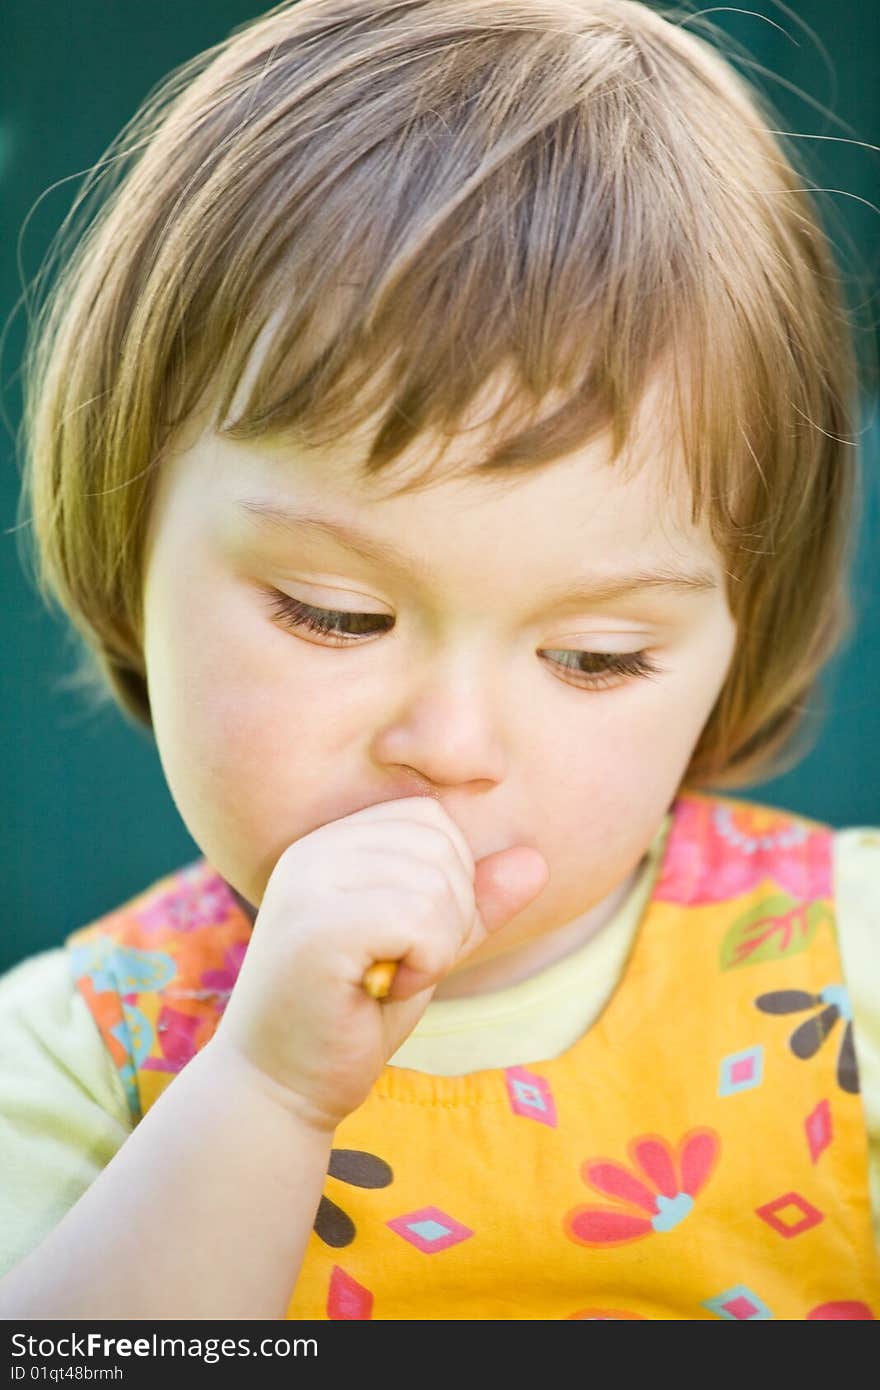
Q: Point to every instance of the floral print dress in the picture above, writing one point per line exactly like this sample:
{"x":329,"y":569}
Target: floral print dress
{"x":699,"y":1153}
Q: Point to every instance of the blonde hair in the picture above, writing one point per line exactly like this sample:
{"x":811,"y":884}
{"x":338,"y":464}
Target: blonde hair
{"x":572,"y":191}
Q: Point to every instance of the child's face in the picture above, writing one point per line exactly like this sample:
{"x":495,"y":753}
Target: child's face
{"x":266,"y":732}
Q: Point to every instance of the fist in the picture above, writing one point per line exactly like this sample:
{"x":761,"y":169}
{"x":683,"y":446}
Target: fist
{"x":394,"y":882}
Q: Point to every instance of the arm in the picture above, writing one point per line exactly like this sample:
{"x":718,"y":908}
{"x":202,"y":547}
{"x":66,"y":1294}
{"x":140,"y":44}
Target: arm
{"x":206,"y":1210}
{"x":203,"y":1213}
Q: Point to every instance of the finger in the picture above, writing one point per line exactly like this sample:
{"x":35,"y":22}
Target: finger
{"x":416,"y":936}
{"x":505,"y":883}
{"x":422,"y":852}
{"x":427,"y":810}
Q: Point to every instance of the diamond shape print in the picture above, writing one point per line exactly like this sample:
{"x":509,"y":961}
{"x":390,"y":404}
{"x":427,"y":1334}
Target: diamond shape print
{"x":819,"y":1129}
{"x":740,"y":1071}
{"x":530,"y":1095}
{"x":347,"y":1299}
{"x":772,"y":1213}
{"x":739,"y":1304}
{"x":429,"y":1229}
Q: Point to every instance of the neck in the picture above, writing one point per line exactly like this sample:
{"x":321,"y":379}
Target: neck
{"x":526,"y":959}
{"x":247,"y":908}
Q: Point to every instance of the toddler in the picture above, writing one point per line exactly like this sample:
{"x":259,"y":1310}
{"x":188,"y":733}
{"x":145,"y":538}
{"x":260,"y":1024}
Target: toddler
{"x":443,"y":441}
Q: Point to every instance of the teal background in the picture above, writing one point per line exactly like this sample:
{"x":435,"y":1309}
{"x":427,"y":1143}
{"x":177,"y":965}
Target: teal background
{"x":87,"y":819}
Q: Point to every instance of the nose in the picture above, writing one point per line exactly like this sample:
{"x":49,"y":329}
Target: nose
{"x":445,"y":729}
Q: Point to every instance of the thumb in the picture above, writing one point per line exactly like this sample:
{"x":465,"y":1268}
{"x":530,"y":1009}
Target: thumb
{"x":506,"y":881}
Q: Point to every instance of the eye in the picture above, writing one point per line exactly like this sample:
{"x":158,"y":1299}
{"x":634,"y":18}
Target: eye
{"x":328,"y":622}
{"x":590,"y":670}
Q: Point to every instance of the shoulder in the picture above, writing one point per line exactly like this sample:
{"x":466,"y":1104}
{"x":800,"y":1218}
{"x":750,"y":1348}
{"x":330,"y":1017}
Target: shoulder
{"x":155,"y":975}
{"x":856,"y":868}
{"x":63,"y":1111}
{"x":856,"y":857}
{"x":48,"y":1038}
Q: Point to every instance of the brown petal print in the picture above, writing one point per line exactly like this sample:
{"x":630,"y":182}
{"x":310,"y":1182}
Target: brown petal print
{"x":786,"y":1001}
{"x":359,"y":1168}
{"x":847,"y":1067}
{"x":332,"y":1224}
{"x":806,"y":1040}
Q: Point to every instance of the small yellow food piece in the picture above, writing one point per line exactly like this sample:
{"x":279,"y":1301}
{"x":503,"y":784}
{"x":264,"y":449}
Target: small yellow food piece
{"x":377,"y":980}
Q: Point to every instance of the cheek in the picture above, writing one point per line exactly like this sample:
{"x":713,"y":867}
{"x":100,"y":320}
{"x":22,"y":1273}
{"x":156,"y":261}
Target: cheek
{"x":594,"y":788}
{"x":655,"y":738}
{"x":258,"y":731}
{"x":230,"y":708}
{"x":602,"y":780}
{"x":244,"y":759}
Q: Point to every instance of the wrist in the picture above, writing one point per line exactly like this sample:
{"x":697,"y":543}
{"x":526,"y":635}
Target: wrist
{"x":235,"y":1071}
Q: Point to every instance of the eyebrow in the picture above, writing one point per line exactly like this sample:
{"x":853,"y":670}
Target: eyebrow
{"x":270,"y":516}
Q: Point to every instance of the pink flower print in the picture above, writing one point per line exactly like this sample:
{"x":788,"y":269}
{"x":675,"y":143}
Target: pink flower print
{"x":847,"y":1311}
{"x":658,"y":1192}
{"x":215,"y":987}
{"x":222,"y":982}
{"x":177,"y":1033}
{"x":197,"y":898}
{"x":720,"y":850}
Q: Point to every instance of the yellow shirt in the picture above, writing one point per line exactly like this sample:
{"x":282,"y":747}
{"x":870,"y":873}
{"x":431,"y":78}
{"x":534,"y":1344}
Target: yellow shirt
{"x":64,"y":1112}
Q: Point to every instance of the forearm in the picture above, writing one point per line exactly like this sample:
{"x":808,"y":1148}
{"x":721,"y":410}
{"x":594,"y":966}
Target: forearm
{"x":203,"y":1213}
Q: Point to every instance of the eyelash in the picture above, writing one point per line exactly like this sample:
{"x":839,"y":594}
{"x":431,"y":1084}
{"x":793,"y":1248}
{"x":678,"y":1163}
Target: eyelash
{"x":329,"y":623}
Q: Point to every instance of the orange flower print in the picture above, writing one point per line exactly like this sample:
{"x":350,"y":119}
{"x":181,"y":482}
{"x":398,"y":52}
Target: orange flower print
{"x":658,"y":1192}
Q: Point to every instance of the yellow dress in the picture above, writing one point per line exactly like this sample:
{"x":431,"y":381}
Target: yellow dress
{"x":700,"y":1152}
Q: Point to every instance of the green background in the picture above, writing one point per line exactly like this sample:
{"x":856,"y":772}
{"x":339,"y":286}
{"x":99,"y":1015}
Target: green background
{"x":87,"y":819}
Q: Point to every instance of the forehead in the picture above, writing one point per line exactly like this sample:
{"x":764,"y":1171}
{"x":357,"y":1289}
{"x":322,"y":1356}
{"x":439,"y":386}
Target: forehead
{"x":645,"y":491}
{"x":583,"y":509}
{"x":652,"y":458}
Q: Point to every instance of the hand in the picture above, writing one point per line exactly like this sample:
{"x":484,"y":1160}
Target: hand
{"x":395,"y":881}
